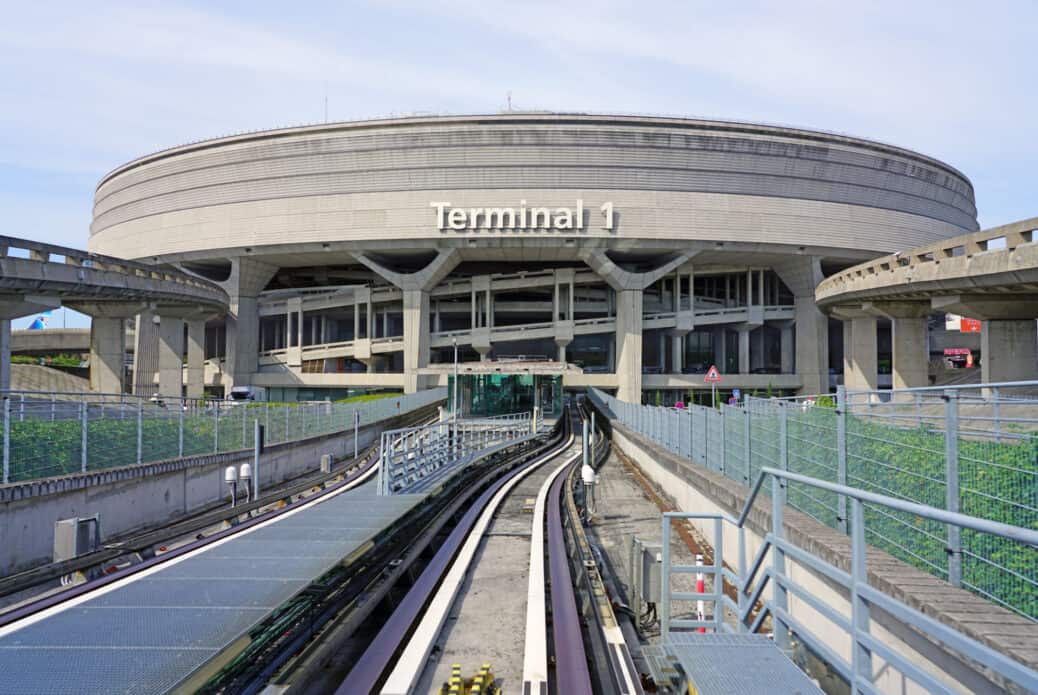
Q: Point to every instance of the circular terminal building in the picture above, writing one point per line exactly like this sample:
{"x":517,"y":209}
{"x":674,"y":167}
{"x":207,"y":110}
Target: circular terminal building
{"x":628,"y":253}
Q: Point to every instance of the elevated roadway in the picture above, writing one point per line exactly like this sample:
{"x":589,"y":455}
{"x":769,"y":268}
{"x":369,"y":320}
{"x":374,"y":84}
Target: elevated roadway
{"x":991,"y":275}
{"x":38,"y":277}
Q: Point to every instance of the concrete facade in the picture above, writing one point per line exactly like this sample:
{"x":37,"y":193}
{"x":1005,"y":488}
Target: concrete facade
{"x":635,"y":247}
{"x":990,"y":275}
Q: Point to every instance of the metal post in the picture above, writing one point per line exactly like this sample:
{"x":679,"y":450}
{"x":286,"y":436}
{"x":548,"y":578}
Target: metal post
{"x":951,"y":471}
{"x":746,"y":445}
{"x":691,"y":432}
{"x":83,"y":436}
{"x":724,"y":443}
{"x":742,"y":598}
{"x":216,"y":427}
{"x":54,"y":408}
{"x":266,"y":419}
{"x":180,"y":439}
{"x":244,"y":423}
{"x":778,"y":563}
{"x":356,"y":433}
{"x":584,"y":443}
{"x":140,"y":430}
{"x":783,"y":441}
{"x":841,"y":455}
{"x":256,"y":460}
{"x":718,"y":574}
{"x":998,"y":420}
{"x":288,"y":422}
{"x":861,"y":657}
{"x":665,"y":582}
{"x":21,"y":407}
{"x":7,"y":440}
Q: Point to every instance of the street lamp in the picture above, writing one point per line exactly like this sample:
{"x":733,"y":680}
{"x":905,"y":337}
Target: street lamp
{"x":454,"y":400}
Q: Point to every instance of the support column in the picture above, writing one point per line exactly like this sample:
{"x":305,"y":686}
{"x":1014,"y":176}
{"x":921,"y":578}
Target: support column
{"x":196,"y":358}
{"x":677,"y":349}
{"x":910,"y":356}
{"x":859,"y":353}
{"x":1008,"y":350}
{"x":787,"y":349}
{"x":107,"y":354}
{"x":146,"y":353}
{"x":744,"y":350}
{"x":248,"y":278}
{"x":629,"y":345}
{"x":5,"y":354}
{"x":416,"y":337}
{"x":171,"y":356}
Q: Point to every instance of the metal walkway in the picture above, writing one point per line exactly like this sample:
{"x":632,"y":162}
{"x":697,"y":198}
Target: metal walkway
{"x":147,"y":633}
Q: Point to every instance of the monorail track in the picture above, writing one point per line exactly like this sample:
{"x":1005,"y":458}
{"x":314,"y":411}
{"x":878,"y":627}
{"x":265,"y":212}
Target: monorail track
{"x":559,"y":654}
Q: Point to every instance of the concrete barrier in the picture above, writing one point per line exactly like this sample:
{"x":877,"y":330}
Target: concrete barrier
{"x":693,"y":488}
{"x":133,"y":498}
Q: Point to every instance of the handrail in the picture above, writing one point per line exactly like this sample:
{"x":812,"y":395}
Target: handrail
{"x":751,"y":583}
{"x":997,"y":528}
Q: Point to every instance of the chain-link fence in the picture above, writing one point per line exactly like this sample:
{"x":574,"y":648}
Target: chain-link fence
{"x":46,"y":435}
{"x":971,"y":449}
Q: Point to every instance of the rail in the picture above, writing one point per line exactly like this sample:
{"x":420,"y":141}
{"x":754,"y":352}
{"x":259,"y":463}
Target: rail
{"x":412,"y":459}
{"x":54,"y":434}
{"x":942,"y":460}
{"x":751,"y":579}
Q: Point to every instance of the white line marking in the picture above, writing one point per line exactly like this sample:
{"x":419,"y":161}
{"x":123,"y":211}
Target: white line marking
{"x":412,"y":661}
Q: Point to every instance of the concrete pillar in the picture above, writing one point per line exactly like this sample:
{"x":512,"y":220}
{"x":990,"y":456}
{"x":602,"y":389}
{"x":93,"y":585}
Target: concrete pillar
{"x":677,"y":345}
{"x":812,"y":346}
{"x":911,"y":358}
{"x":787,"y":349}
{"x":629,"y":345}
{"x":107,"y":354}
{"x":248,"y":278}
{"x":195,"y":358}
{"x":721,"y":350}
{"x":171,"y":356}
{"x":744,"y":348}
{"x":5,"y":354}
{"x":562,"y":349}
{"x":1008,"y":351}
{"x":859,"y":353}
{"x":416,"y":337}
{"x":146,"y":353}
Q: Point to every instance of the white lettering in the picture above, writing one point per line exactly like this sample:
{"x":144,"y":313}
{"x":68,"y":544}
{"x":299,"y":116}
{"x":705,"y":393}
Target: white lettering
{"x":495,"y":218}
{"x":563,"y":218}
{"x":518,"y":219}
{"x":457,"y":219}
{"x":440,"y":207}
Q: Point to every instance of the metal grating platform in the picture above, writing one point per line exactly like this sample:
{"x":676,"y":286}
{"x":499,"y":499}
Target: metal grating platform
{"x":722,"y":664}
{"x":146,"y":636}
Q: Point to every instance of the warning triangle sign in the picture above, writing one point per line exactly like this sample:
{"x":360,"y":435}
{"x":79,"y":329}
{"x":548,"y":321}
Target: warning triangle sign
{"x":712,"y":375}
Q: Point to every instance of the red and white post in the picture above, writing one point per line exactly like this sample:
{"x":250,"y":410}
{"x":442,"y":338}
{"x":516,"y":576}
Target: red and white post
{"x":700,"y":589}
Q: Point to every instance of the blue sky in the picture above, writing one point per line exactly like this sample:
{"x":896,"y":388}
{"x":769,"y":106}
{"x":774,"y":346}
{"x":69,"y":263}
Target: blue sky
{"x":87,"y":86}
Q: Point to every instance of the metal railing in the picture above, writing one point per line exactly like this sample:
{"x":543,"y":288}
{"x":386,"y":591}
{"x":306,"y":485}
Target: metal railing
{"x":938,"y":447}
{"x":413,"y":459}
{"x":750,"y":582}
{"x":53,"y":434}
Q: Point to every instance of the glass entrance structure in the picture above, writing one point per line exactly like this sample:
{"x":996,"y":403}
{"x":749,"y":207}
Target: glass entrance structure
{"x":483,"y":395}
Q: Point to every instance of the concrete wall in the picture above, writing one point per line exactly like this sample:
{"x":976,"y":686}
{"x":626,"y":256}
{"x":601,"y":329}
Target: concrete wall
{"x":668,"y":179}
{"x":695,"y":489}
{"x":137,"y":497}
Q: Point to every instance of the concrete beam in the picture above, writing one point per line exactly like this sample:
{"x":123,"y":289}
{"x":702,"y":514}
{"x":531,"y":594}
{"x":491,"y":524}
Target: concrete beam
{"x":16,"y":306}
{"x":994,"y":307}
{"x":620,"y":279}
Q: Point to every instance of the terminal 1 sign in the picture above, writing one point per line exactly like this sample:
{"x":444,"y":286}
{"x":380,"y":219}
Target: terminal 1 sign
{"x":518,"y":219}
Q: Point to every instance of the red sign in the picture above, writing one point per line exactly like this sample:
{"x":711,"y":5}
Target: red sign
{"x":712,"y":375}
{"x":969,"y":325}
